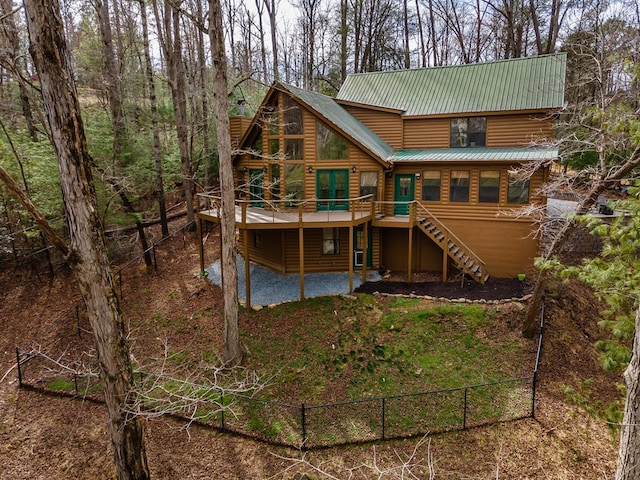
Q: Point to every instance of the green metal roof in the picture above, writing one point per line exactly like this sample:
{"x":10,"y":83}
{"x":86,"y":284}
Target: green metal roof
{"x":529,"y":83}
{"x":336,"y":116}
{"x":510,"y":154}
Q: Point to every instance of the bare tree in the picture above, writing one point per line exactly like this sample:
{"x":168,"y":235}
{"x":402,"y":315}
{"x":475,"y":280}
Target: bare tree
{"x":112,"y":77}
{"x":170,"y":38}
{"x":272,"y":12}
{"x":409,"y":466}
{"x":12,"y":58}
{"x":87,"y":244}
{"x":233,"y":350}
{"x":157,"y":152}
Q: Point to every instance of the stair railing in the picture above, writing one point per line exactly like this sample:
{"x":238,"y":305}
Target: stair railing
{"x":423,"y":212}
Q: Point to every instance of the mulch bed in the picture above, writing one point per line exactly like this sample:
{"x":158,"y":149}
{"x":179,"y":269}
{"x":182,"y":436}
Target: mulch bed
{"x":493,"y":289}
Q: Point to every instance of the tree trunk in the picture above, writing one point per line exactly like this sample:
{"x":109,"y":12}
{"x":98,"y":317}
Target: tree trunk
{"x":171,"y":43}
{"x":88,"y":255}
{"x":272,"y":10}
{"x":433,"y":34}
{"x":407,"y":47}
{"x":204,"y":89}
{"x":10,"y":33}
{"x":629,"y":449}
{"x":233,"y":350}
{"x":344,"y":38}
{"x":157,"y":152}
{"x":114,"y":90}
{"x":423,"y":52}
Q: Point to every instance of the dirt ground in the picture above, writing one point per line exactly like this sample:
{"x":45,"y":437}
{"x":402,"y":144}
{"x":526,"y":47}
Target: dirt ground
{"x":47,"y":437}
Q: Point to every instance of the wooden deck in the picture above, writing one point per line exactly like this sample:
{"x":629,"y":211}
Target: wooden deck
{"x":255,"y":217}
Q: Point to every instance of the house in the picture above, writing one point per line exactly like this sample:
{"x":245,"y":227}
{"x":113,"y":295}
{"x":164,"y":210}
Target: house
{"x":414,"y":170}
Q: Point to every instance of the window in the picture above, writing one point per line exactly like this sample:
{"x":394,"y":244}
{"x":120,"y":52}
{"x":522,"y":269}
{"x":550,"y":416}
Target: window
{"x":431,"y":185}
{"x":274,"y":148}
{"x":275,"y":181}
{"x":294,"y":183}
{"x":256,"y":148}
{"x":293,"y":148}
{"x":369,"y":184}
{"x":330,"y":145}
{"x":518,"y":191}
{"x":274,"y":125}
{"x":459,"y":187}
{"x":468,"y":132}
{"x":292,"y":117}
{"x":489,"y":187}
{"x":330,"y":241}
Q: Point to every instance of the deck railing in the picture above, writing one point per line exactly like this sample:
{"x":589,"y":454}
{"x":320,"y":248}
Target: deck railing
{"x":293,"y":209}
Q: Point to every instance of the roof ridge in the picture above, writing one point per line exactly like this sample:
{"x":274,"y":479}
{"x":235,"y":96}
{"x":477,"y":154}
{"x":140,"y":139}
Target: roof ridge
{"x":460,"y":65}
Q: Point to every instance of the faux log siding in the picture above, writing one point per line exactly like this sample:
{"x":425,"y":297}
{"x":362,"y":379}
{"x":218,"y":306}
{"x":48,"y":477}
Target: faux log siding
{"x":426,"y":133}
{"x":467,"y":209}
{"x":386,"y":125}
{"x":363,"y":163}
{"x":270,"y":255}
{"x":314,"y":259}
{"x":506,"y":247}
{"x":517,"y":130}
{"x":502,"y":131}
{"x":238,"y":125}
{"x":426,"y":255}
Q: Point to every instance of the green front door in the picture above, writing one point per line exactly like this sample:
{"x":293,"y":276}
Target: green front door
{"x":256,"y":194}
{"x":333,"y":189}
{"x":404,"y":188}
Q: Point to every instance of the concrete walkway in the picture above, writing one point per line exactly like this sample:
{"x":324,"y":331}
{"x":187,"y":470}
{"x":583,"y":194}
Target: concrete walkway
{"x":268,"y":287}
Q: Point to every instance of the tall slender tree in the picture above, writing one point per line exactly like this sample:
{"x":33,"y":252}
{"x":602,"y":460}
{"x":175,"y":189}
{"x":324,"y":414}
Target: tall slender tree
{"x":153,"y":104}
{"x":87,"y":252}
{"x":170,"y":37}
{"x":233,"y":350}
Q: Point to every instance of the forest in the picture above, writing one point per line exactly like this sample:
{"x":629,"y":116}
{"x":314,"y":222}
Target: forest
{"x":129,"y":100}
{"x":144,"y":80}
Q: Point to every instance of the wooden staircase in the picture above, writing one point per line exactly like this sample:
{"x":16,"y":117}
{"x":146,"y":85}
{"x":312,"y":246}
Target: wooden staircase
{"x":461,"y":255}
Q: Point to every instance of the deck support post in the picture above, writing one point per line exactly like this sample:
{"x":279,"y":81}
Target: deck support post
{"x":301,"y":253}
{"x":351,"y":258}
{"x":200,"y":245}
{"x":365,"y":248}
{"x":410,"y":255}
{"x":247,"y":265}
{"x":445,"y":259}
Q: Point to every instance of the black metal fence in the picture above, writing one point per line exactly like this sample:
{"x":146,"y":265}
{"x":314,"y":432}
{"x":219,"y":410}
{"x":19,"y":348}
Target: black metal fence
{"x":312,"y":426}
{"x":301,"y":426}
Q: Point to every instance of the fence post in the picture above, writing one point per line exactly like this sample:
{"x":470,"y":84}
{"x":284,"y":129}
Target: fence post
{"x":78,"y":319}
{"x":18,"y":364}
{"x":384,"y":405}
{"x":538,"y":359}
{"x":533,"y":393}
{"x":464,"y":416}
{"x":155,"y":260}
{"x":222,"y":415}
{"x":304,"y":429}
{"x":75,"y":382}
